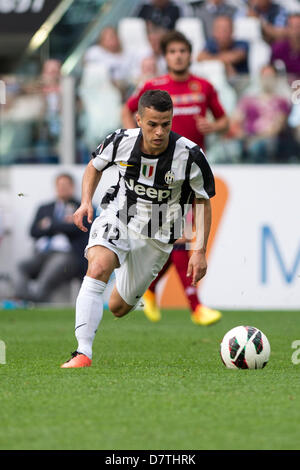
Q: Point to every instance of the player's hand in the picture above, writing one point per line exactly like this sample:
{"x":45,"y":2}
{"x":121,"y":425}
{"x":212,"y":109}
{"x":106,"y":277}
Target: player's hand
{"x":82,"y":211}
{"x":197,"y":267}
{"x":204,"y":125}
{"x":182,"y":240}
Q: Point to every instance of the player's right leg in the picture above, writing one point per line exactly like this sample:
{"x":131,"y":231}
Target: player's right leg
{"x":89,"y":304}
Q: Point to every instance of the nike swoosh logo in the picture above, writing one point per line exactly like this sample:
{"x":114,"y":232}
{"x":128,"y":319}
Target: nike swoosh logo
{"x":80,"y":325}
{"x":124,"y":164}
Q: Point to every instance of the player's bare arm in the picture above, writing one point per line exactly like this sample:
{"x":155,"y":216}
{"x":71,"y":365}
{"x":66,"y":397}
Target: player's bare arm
{"x":206,"y":126}
{"x":90,"y":182}
{"x":197,"y":265}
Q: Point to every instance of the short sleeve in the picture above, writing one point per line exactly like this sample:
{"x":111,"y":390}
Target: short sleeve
{"x":214,"y":104}
{"x":103,"y":156}
{"x":202,"y":179}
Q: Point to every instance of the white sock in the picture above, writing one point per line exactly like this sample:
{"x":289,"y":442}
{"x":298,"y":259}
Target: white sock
{"x":89,"y":312}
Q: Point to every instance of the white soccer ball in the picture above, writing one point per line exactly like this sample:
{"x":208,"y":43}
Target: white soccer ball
{"x":245,"y":347}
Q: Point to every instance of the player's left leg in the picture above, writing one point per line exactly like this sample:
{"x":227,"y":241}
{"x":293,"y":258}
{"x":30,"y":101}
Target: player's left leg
{"x":117,"y":304}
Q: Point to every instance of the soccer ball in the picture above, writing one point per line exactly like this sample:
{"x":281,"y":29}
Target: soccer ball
{"x":245,"y":347}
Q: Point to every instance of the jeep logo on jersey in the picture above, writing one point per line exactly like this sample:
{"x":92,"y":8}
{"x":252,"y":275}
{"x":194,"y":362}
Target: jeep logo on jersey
{"x":169,"y":177}
{"x":147,"y":170}
{"x":150,"y":192}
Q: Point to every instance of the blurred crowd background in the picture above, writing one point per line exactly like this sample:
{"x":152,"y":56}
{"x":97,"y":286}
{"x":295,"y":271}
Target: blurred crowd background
{"x":65,"y":94}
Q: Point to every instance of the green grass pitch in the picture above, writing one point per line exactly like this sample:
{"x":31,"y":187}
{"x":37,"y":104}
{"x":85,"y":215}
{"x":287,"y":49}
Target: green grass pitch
{"x":151,"y":386}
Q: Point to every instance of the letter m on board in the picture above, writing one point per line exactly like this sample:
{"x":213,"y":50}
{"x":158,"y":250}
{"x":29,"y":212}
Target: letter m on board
{"x":269,"y":244}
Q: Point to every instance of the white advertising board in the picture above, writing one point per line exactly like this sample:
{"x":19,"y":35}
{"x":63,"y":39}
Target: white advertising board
{"x":254,"y":260}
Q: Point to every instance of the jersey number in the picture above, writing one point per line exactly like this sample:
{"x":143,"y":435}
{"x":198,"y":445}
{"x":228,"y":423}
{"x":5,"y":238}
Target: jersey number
{"x":111,"y":233}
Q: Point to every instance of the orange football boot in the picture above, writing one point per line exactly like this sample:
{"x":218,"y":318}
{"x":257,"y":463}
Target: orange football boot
{"x":150,"y":307}
{"x":205,"y":316}
{"x":77,"y":360}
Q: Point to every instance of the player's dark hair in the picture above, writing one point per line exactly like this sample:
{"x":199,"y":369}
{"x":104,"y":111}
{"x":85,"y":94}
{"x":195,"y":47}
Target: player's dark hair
{"x":174,"y":36}
{"x":159,"y":100}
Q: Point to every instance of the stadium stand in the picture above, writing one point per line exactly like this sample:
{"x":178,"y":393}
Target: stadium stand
{"x":259,"y":55}
{"x":132,"y":31}
{"x":247,"y":29}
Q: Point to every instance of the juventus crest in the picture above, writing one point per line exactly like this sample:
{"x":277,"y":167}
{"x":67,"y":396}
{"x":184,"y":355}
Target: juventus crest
{"x":169,"y":177}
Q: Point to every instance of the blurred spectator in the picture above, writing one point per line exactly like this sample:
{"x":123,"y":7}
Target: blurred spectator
{"x":50,"y":76}
{"x":273,"y":18}
{"x":148,"y":70}
{"x":294,"y":124}
{"x":22,"y":117}
{"x":50,"y":88}
{"x":163,"y":13}
{"x":261,"y":120}
{"x":149,"y":62}
{"x":209,"y":10}
{"x":59,"y":246}
{"x":36,"y":113}
{"x":288,"y":50}
{"x":222,"y":46}
{"x":108,"y":53}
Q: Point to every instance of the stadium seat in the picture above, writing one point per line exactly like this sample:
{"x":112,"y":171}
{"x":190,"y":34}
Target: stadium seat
{"x":290,"y":5}
{"x":193,"y":29}
{"x":247,"y":29}
{"x":132,"y":33}
{"x":214,"y":72}
{"x":259,"y":55}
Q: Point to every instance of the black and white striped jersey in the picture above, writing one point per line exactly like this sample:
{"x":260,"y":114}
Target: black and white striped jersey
{"x":154,"y":193}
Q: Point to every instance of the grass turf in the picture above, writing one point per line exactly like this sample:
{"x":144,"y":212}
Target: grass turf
{"x":151,"y":386}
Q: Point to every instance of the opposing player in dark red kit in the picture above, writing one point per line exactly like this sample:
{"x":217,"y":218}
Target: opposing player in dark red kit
{"x":192,"y":97}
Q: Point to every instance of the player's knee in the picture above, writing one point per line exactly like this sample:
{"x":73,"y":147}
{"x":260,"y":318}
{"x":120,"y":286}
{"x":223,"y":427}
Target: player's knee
{"x":97,"y":270}
{"x":117,"y":308}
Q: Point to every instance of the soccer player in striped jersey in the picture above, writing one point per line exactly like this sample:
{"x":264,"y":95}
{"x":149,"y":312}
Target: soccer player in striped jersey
{"x":160,"y":174}
{"x":192,"y":97}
